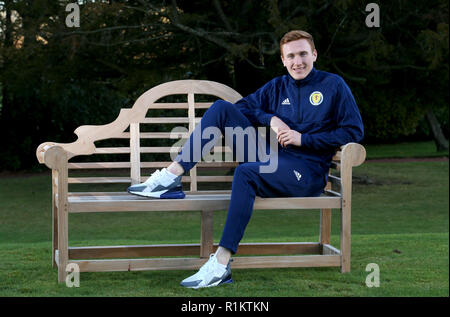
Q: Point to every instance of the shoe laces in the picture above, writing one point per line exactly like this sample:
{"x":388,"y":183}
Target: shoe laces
{"x":208,"y":266}
{"x":153,"y":181}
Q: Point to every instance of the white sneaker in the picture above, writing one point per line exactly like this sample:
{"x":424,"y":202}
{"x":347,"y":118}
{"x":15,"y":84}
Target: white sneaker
{"x":159,"y":185}
{"x":212,"y":273}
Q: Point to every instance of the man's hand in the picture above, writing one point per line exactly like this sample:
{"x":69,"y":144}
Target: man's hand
{"x":285,"y":135}
{"x":277,"y":125}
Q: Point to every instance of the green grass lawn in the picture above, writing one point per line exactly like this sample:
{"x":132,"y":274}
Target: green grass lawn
{"x":398,"y":150}
{"x":399,"y":221}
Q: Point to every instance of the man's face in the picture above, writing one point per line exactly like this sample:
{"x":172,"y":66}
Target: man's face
{"x":298,"y":58}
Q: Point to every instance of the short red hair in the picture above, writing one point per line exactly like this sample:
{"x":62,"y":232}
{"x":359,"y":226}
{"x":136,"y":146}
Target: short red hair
{"x":294,"y":36}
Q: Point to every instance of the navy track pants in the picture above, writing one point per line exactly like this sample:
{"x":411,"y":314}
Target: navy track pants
{"x":293,"y":176}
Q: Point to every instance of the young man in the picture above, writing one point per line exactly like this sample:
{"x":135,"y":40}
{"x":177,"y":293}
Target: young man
{"x":312,"y":112}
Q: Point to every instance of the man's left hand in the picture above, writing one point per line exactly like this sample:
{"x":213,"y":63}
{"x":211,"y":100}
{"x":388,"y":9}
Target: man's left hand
{"x":289,"y":136}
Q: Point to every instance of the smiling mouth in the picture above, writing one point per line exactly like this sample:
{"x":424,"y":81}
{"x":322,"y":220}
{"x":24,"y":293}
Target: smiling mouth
{"x":299,"y":69}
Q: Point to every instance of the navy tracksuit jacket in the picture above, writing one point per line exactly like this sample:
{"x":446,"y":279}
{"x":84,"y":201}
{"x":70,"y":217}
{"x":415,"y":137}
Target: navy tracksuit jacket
{"x":321,"y":107}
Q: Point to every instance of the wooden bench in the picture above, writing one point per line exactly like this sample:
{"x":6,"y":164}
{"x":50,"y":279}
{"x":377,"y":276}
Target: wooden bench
{"x":139,"y":125}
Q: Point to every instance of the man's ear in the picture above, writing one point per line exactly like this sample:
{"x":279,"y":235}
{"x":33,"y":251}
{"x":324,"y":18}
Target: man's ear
{"x":314,"y":53}
{"x":282,"y":59}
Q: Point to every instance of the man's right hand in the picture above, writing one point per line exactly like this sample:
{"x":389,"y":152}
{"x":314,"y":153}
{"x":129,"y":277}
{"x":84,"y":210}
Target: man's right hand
{"x":278,"y":125}
{"x":285,"y":135}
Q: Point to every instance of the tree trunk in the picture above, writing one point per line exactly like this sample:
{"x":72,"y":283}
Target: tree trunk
{"x":439,"y":138}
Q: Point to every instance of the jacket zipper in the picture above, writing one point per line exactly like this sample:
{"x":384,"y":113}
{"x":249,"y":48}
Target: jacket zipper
{"x":300,"y":108}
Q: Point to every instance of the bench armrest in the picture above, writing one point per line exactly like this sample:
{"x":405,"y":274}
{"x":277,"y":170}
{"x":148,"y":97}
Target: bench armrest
{"x":52,"y":155}
{"x":353,"y":153}
{"x":41,"y":150}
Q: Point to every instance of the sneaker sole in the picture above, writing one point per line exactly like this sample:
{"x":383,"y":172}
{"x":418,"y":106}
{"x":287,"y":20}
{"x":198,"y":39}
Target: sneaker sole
{"x":164,"y":194}
{"x":228,"y":281}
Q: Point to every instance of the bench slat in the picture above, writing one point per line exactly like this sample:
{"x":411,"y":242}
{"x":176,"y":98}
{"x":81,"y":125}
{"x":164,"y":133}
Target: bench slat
{"x":99,"y":165}
{"x":164,"y":135}
{"x":334,"y":180}
{"x":127,"y":251}
{"x":126,"y":150}
{"x":156,"y":135}
{"x":168,"y":120}
{"x":112,"y":150}
{"x":99,"y":180}
{"x":332,"y":193}
{"x":195,"y":263}
{"x":108,"y":165}
{"x":121,"y":180}
{"x":179,"y":105}
{"x":123,"y":193}
{"x":203,"y":105}
{"x":113,"y":203}
{"x":151,"y":149}
{"x":337,"y":156}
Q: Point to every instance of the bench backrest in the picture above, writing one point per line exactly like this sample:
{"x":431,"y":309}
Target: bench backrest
{"x":146,"y":132}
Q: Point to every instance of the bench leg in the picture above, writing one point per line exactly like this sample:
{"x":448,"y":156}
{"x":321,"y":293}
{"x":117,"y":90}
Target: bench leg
{"x":207,"y":237}
{"x":63,"y":228}
{"x":345,"y":238}
{"x":325,"y":226}
{"x":54,"y":219}
{"x":62,"y":244}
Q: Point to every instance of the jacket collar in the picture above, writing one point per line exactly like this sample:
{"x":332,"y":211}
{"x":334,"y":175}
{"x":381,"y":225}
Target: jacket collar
{"x":305,"y":80}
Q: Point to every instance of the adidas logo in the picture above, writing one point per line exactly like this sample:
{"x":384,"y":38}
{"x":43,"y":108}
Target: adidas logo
{"x":286,"y":102}
{"x":298,"y":175}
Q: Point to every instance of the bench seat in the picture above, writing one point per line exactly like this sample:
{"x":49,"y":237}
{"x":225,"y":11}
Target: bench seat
{"x":117,"y":201}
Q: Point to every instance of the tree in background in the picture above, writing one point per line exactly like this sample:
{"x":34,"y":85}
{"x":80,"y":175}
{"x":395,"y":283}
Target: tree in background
{"x":54,"y":78}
